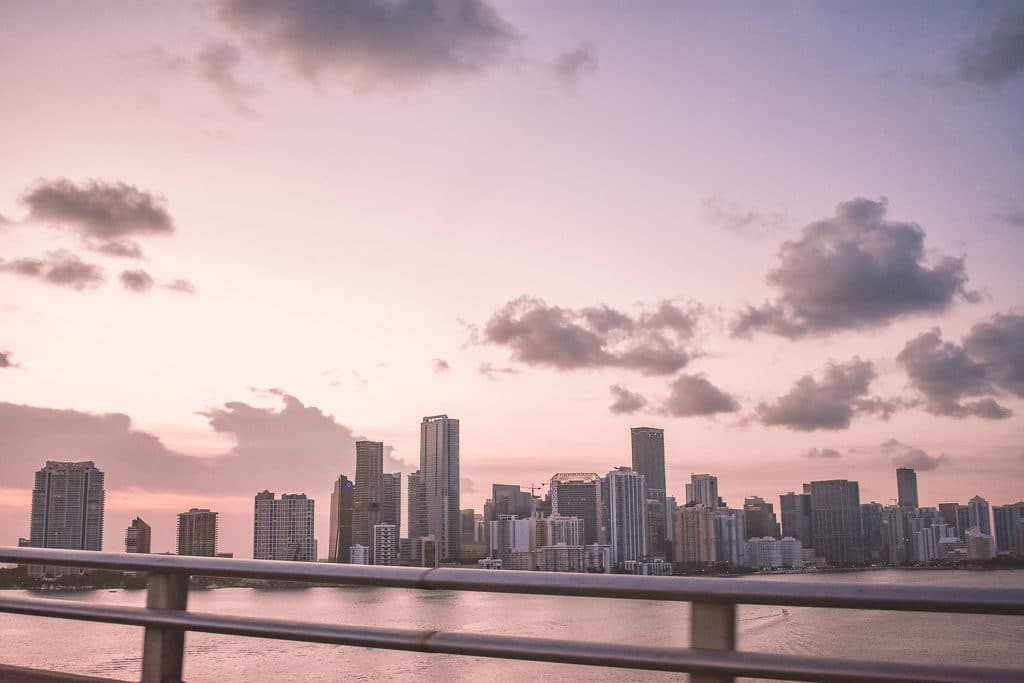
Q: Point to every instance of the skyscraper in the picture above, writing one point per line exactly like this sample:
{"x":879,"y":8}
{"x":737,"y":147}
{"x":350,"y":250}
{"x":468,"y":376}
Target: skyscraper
{"x":835,"y":521}
{"x":439,"y":468}
{"x":795,"y":509}
{"x":980,"y":515}
{"x":1007,"y":519}
{"x":578,"y":494}
{"x":416,"y":507}
{"x":342,"y":502}
{"x":906,"y":487}
{"x":197,"y":532}
{"x":67,"y":507}
{"x":385,"y":544}
{"x":649,"y":455}
{"x":627,"y":509}
{"x":369,"y":490}
{"x":695,"y":540}
{"x":760,"y":518}
{"x":510,"y":499}
{"x":137,"y":537}
{"x":391,"y":500}
{"x":703,"y":489}
{"x":871,"y":528}
{"x":283,"y":528}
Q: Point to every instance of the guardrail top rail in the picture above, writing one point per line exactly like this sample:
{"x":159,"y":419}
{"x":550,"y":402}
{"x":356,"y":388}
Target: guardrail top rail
{"x":712,"y":655}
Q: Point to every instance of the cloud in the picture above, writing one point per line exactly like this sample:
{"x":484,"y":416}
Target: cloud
{"x":569,"y":67}
{"x":467,"y":486}
{"x":996,"y":54}
{"x":217,"y":64}
{"x":1011,"y":216}
{"x":5,"y":360}
{"x":119,"y":248}
{"x":374,"y":42}
{"x":991,"y":358}
{"x":625,"y":401}
{"x":693,"y":395}
{"x":827,"y":453}
{"x":732,"y":217}
{"x":491,"y":371}
{"x":854,"y":271}
{"x":830,"y":403}
{"x":137,"y":280}
{"x":180,"y":286}
{"x":652,"y":342}
{"x":61,"y":268}
{"x":441,"y":366}
{"x":917,"y":459}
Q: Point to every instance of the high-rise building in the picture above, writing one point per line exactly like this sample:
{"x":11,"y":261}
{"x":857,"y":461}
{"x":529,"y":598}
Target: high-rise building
{"x":730,"y":536}
{"x":649,"y":455}
{"x":197,"y":533}
{"x":137,"y":537}
{"x":871,"y":528}
{"x":509,"y":534}
{"x":368,"y":492}
{"x":559,"y":529}
{"x":980,"y":515}
{"x":703,"y":489}
{"x":795,"y":509}
{"x":835,"y":521}
{"x":963,"y":520}
{"x":578,"y":494}
{"x":760,"y":518}
{"x":67,"y":508}
{"x":416,"y":506}
{"x":342,"y":503}
{"x":439,"y":468}
{"x":657,"y":524}
{"x":980,"y":545}
{"x":948,"y":512}
{"x":1007,"y":519}
{"x":627,"y":511}
{"x":510,"y":499}
{"x":391,"y":499}
{"x":359,"y":554}
{"x":283,"y":528}
{"x":385,"y":544}
{"x":467,"y":527}
{"x":906,"y":487}
{"x":694,"y":542}
{"x":895,"y":532}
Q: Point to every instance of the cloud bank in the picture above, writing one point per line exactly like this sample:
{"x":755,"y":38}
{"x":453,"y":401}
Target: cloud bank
{"x":60,"y":268}
{"x":625,"y":402}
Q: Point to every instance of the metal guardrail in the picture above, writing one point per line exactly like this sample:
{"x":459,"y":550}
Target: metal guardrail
{"x":711,"y":658}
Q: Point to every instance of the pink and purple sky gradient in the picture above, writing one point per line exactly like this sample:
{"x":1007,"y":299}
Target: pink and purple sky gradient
{"x":237,"y":235}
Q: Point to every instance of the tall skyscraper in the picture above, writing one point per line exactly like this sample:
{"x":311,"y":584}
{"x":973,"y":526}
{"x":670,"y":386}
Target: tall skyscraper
{"x":703,"y":489}
{"x":369,"y":491}
{"x":578,"y":494}
{"x":835,"y":521}
{"x":627,"y":509}
{"x":137,"y":537}
{"x":467,"y":527}
{"x":730,"y":536}
{"x":391,"y":500}
{"x":871,"y":529}
{"x":649,"y":455}
{"x":760,"y":518}
{"x":197,"y":532}
{"x":439,"y":467}
{"x":416,"y":507}
{"x":342,"y":503}
{"x":795,"y":509}
{"x":948,"y":512}
{"x":283,"y":528}
{"x":980,"y":515}
{"x":510,"y":499}
{"x":385,"y":544}
{"x":67,"y":507}
{"x":906,"y":487}
{"x":695,"y":540}
{"x":1007,"y":519}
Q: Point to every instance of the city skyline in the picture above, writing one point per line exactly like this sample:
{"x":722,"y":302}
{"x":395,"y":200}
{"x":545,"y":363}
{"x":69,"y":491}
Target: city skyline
{"x":227,"y":254}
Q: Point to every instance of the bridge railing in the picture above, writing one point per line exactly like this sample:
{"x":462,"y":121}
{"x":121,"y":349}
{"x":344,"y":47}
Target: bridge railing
{"x":711,"y":656}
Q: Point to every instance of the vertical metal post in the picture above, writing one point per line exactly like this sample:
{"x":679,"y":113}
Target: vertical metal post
{"x":712,"y":627}
{"x":163,"y":649}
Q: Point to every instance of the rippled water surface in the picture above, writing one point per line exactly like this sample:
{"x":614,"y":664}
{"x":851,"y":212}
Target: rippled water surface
{"x":114,"y":651}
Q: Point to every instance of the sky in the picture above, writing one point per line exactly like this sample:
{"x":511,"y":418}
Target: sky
{"x":236,"y":236}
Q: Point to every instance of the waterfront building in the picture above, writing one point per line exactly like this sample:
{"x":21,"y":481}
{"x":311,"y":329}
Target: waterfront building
{"x":559,"y":530}
{"x":368,"y":492}
{"x":359,"y":554}
{"x":578,"y":494}
{"x":951,"y":548}
{"x":416,"y":506}
{"x":385,"y":544}
{"x":522,"y":560}
{"x":510,"y":499}
{"x":791,"y":552}
{"x":283,"y":527}
{"x":695,"y":541}
{"x":963,"y":520}
{"x":429,"y":552}
{"x":197,"y":533}
{"x":980,"y":546}
{"x":627,"y":509}
{"x":871,"y":528}
{"x":730,"y":537}
{"x":657,"y":523}
{"x":1007,"y":518}
{"x":795,"y":510}
{"x":906,"y":487}
{"x":488,"y":563}
{"x":342,"y":503}
{"x":703,"y":489}
{"x":835,"y":522}
{"x":760,"y":518}
{"x":439,"y":468}
{"x":561,"y":557}
{"x":894,"y":532}
{"x":597,"y":558}
{"x":467,"y":527}
{"x":509,"y":534}
{"x":68,"y":500}
{"x":949,"y":516}
{"x":648,"y":450}
{"x":138,"y":537}
{"x":764,"y":553}
{"x":391,"y":499}
{"x":980,"y":515}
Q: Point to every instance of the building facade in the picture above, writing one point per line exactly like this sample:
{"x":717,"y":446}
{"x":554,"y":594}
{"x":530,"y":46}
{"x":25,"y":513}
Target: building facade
{"x":835,"y":520}
{"x":439,"y":468}
{"x":385,"y":544}
{"x":703,"y":489}
{"x":283,"y":528}
{"x":906,"y":487}
{"x":627,"y":509}
{"x":138,"y":537}
{"x":578,"y":494}
{"x":695,"y":543}
{"x":391,"y":499}
{"x":368,"y":491}
{"x":795,"y":509}
{"x":67,"y":506}
{"x":980,"y":515}
{"x":342,"y":504}
{"x":197,"y":533}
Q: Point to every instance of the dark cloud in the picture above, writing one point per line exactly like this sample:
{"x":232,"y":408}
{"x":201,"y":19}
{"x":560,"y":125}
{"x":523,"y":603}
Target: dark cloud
{"x":61,"y":268}
{"x":854,"y":271}
{"x":217,"y":64}
{"x":5,"y":360}
{"x":118,"y":248}
{"x":996,"y":54}
{"x":747,"y":222}
{"x":374,"y":42}
{"x":441,"y":365}
{"x":827,"y":453}
{"x":693,"y":395}
{"x":917,"y":459}
{"x":569,"y":67}
{"x":830,"y":403}
{"x":989,"y":361}
{"x":467,"y":485}
{"x":97,"y":209}
{"x":652,"y":342}
{"x":181,"y":286}
{"x":492,"y":371}
{"x":1013,"y":217}
{"x":625,"y":401}
{"x":137,"y":280}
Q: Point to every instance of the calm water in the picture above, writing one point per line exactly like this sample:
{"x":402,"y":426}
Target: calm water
{"x":114,"y":651}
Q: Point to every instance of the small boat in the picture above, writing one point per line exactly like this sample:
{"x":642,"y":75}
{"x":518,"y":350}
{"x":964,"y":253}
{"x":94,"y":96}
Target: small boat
{"x":785,"y":612}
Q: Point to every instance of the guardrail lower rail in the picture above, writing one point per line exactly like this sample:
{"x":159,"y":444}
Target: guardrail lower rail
{"x":711,"y":657}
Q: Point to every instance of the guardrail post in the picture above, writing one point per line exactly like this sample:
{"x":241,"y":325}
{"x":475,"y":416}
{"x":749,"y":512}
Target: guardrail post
{"x":163,"y":649}
{"x":712,"y":627}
